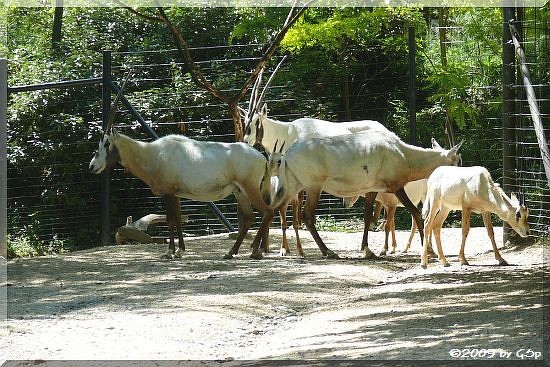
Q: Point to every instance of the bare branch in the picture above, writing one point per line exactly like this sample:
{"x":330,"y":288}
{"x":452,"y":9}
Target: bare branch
{"x":291,"y":19}
{"x":151,"y":18}
{"x":196,"y":74}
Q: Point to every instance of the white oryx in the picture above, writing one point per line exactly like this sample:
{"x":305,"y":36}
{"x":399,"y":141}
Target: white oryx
{"x":176,"y":166}
{"x":470,"y":189}
{"x":262,"y":130}
{"x":354,"y":164}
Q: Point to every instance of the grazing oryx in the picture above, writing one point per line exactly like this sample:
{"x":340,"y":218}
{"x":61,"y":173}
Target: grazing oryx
{"x":351,"y":165}
{"x":176,"y":166}
{"x":470,"y":189}
{"x":416,"y":191}
{"x":260,"y":129}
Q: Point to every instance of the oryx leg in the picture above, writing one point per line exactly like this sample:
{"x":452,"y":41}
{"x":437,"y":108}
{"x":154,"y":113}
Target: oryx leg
{"x":173,"y":219}
{"x":297,"y":222}
{"x":245,"y":217}
{"x":411,"y":235}
{"x":285,"y":250}
{"x":489,"y":226}
{"x":429,"y":225}
{"x":262,"y":236}
{"x":377,"y":211}
{"x":309,"y":219}
{"x":369,"y":201}
{"x":438,"y":223}
{"x":389,"y":228}
{"x":465,"y":230}
{"x":427,"y":238}
{"x":404,"y":199}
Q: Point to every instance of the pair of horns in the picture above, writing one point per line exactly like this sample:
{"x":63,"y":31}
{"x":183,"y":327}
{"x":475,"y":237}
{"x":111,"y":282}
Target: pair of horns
{"x":275,"y":146}
{"x":256,"y":97}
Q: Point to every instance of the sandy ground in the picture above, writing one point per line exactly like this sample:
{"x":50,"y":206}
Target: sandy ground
{"x":124,"y":302}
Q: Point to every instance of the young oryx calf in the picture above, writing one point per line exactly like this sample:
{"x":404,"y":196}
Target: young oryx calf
{"x":469,"y":189}
{"x":177,"y":166}
{"x":352,"y":165}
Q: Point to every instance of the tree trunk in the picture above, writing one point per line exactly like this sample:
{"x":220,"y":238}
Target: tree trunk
{"x":237,"y":123}
{"x":57,"y":26}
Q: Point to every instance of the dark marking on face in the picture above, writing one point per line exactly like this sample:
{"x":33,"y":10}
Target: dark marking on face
{"x":113,"y":157}
{"x":259,"y":132}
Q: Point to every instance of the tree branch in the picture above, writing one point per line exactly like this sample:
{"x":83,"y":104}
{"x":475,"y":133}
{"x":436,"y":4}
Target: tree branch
{"x":291,"y":19}
{"x":196,"y":74}
{"x":150,"y":18}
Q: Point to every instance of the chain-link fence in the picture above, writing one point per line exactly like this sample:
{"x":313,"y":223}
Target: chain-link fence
{"x":58,"y":200}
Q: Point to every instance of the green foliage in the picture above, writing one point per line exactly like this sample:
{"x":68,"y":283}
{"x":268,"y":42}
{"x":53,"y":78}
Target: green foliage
{"x":473,"y":62}
{"x":345,"y":63}
{"x":329,"y":223}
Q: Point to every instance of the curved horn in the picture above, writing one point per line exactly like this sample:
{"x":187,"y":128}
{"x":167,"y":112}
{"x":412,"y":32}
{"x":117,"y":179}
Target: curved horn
{"x":282,"y":146}
{"x":253,"y":102}
{"x":275,"y":146}
{"x":262,"y":95}
{"x":113,"y":110}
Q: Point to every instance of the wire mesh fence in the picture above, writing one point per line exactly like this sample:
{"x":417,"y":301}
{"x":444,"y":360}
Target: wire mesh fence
{"x":57,"y":201}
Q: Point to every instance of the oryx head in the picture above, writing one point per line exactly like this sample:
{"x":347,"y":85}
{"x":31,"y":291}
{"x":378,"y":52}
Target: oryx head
{"x":274,"y":159}
{"x":453,"y":156}
{"x":107,"y":154}
{"x":254,"y":127}
{"x":521,"y":214}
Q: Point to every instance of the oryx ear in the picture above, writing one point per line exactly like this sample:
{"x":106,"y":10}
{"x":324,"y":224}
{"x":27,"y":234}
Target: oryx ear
{"x":457,"y":147}
{"x":514,"y":198}
{"x":264,"y":110}
{"x":435,"y":144}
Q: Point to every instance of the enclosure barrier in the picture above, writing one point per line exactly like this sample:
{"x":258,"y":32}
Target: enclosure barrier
{"x":503,"y":141}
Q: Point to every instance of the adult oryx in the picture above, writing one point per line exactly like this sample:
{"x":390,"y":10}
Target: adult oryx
{"x":349,"y":165}
{"x":176,"y":166}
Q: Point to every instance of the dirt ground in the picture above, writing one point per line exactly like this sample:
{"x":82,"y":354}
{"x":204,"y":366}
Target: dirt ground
{"x":124,"y":302}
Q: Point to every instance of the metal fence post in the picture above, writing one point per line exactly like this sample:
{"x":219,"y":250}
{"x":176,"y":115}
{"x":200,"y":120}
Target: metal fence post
{"x":508,"y":110}
{"x":3,"y":158}
{"x":105,"y":176}
{"x":412,"y":86}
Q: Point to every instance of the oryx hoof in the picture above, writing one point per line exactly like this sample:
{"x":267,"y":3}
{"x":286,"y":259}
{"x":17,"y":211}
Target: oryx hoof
{"x":464,"y":262}
{"x":283,"y":252}
{"x":332,"y":255}
{"x":166,"y":256}
{"x":446,"y":264}
{"x":383,"y":253}
{"x":227,"y":256}
{"x":178,"y":254}
{"x":424,"y":266}
{"x":503,"y":262}
{"x":256,"y":255}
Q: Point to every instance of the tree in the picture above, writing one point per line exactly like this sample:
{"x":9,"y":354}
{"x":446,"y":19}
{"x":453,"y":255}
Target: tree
{"x":198,"y":76}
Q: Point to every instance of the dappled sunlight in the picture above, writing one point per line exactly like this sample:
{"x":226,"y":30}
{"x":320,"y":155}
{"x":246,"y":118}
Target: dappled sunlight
{"x":278,"y":307}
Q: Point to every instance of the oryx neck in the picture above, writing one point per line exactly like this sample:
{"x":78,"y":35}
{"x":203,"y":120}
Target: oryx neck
{"x":423,"y":161}
{"x":134,"y":154}
{"x":501,"y":201}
